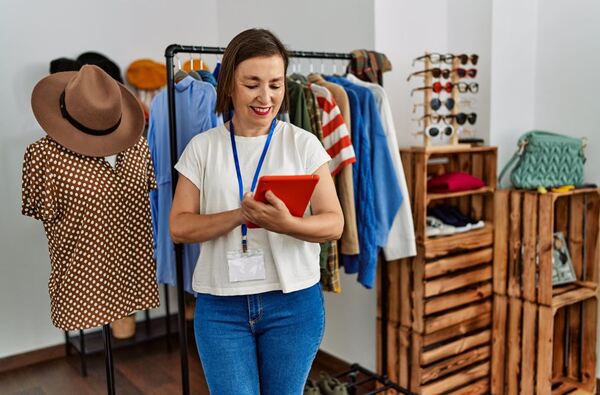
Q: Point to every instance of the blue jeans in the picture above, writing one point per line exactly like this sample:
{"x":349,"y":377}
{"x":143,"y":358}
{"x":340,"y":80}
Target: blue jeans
{"x":259,"y":344}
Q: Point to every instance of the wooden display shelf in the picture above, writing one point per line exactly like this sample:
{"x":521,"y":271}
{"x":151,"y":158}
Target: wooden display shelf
{"x":537,"y":349}
{"x":524,"y":228}
{"x":420,"y":164}
{"x":449,"y":195}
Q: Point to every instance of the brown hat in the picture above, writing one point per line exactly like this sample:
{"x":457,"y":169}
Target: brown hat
{"x":88,"y":112}
{"x":146,"y":74}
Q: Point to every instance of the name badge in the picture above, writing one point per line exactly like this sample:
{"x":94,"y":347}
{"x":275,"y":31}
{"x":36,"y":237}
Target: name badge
{"x":246,"y":266}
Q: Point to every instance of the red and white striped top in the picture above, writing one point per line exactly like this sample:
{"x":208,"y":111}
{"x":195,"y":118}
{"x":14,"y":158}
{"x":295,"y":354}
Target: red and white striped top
{"x":336,"y":137}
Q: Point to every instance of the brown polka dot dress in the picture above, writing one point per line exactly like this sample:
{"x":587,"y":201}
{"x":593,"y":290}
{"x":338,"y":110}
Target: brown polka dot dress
{"x":99,"y":228}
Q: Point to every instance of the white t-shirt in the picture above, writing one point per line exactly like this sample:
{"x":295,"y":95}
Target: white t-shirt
{"x":207,"y":161}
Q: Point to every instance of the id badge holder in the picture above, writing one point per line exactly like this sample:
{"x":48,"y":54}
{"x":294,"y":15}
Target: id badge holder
{"x":246,"y":266}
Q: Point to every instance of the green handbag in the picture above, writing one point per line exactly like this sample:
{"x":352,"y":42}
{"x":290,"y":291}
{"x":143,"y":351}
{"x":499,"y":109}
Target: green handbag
{"x":546,"y":159}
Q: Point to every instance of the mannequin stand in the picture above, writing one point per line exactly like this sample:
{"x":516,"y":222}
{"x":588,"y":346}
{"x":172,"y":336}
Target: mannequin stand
{"x":108,"y":360}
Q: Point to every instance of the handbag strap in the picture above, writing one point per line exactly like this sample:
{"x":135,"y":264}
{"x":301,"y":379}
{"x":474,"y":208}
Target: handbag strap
{"x":511,"y":163}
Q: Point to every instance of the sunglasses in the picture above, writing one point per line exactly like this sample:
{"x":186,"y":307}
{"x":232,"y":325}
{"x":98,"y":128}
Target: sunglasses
{"x":436,"y":103}
{"x":435,"y":131}
{"x":437,"y":87}
{"x":448,"y":58}
{"x":462,"y":118}
{"x":445,"y":73}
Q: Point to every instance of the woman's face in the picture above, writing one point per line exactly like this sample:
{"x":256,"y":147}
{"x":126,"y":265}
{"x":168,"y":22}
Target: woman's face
{"x":258,"y":90}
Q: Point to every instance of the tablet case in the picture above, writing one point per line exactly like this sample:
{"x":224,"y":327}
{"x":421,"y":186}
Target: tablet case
{"x":295,"y":191}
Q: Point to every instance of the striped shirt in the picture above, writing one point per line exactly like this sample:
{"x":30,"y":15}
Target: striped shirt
{"x":336,"y":137}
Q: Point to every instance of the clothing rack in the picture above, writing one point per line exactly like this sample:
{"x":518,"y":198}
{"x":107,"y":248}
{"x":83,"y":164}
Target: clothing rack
{"x":170,"y":52}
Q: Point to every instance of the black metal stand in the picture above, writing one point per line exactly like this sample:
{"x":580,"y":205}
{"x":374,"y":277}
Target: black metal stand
{"x":170,"y":52}
{"x":108,"y":360}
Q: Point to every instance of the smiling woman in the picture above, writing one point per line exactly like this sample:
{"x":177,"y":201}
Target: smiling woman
{"x":259,"y":310}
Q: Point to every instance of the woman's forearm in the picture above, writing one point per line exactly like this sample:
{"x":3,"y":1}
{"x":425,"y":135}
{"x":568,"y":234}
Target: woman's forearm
{"x":198,"y":228}
{"x":317,"y":228}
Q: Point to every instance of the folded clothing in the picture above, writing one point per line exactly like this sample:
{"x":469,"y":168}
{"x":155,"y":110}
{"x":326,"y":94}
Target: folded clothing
{"x":452,"y":216}
{"x":455,"y":181}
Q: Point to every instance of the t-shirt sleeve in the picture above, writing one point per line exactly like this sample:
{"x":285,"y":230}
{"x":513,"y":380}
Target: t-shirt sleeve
{"x":38,"y":191}
{"x":190,"y":163}
{"x":315,"y":154}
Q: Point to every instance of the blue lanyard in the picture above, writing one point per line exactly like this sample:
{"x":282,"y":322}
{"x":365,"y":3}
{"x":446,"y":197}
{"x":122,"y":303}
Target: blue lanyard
{"x":256,"y":173}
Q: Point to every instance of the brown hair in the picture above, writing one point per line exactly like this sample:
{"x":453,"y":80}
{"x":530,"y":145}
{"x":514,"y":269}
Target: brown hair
{"x":248,"y":44}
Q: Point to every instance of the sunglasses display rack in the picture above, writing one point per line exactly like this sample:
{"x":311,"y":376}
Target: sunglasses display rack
{"x":444,"y":128}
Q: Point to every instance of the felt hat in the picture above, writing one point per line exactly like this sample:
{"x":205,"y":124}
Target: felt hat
{"x":88,"y":112}
{"x":147,"y":74}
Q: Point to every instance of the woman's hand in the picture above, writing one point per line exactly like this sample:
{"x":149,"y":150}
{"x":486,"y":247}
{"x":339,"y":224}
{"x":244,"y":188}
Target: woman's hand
{"x":273,"y":216}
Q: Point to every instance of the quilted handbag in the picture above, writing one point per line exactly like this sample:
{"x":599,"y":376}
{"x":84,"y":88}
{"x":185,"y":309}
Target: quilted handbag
{"x":546,"y":159}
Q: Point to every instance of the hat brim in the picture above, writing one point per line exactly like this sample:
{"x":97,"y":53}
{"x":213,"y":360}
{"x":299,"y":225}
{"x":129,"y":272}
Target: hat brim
{"x":45,"y":102}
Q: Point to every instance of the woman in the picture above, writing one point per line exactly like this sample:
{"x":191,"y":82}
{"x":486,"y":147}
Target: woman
{"x":259,"y":315}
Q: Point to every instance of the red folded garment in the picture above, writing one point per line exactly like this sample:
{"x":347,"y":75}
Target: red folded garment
{"x":454,"y":182}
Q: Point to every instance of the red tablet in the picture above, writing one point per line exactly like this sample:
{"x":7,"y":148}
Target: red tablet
{"x":295,"y":191}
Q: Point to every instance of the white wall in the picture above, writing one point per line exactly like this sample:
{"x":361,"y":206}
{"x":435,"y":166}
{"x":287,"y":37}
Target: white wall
{"x":31,"y":34}
{"x":514,"y":40}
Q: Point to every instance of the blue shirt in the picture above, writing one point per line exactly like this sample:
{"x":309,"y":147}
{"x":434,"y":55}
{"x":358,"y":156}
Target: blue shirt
{"x":376,"y":188}
{"x":195,"y":106}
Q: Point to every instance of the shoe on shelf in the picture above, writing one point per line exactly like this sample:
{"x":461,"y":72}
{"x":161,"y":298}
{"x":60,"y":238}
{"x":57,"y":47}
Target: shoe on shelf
{"x":310,"y":388}
{"x":458,"y":214}
{"x":435,"y":227}
{"x":331,"y":386}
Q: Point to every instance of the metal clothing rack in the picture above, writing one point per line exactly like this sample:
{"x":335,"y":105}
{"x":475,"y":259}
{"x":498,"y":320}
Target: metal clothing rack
{"x":170,"y":52}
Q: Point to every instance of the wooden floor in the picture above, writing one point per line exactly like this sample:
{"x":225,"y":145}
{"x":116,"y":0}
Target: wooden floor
{"x":143,"y":369}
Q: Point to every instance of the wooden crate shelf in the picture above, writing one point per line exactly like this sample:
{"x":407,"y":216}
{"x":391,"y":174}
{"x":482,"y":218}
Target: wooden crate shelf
{"x":420,"y":164}
{"x":542,"y":350}
{"x":524,"y":228}
{"x":457,"y":365}
{"x":438,"y":196}
{"x":440,"y":302}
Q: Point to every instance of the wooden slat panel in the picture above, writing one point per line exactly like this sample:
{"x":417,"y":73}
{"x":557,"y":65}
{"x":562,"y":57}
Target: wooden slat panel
{"x":591,"y":237}
{"x":406,"y":292}
{"x":455,"y":299}
{"x":471,"y":240}
{"x":480,"y":387}
{"x":469,"y":326}
{"x":458,"y":362}
{"x":464,"y":162}
{"x":544,"y":350}
{"x":458,"y":262}
{"x":490,"y":180}
{"x":590,"y":325}
{"x":572,"y":297}
{"x":455,"y":347}
{"x":450,"y":283}
{"x":457,"y":380}
{"x":513,"y":348}
{"x":528,"y":348}
{"x":499,"y":331}
{"x":418,"y":293}
{"x":420,"y":193}
{"x":500,"y":241}
{"x":394,"y":289}
{"x":415,"y":370}
{"x":457,"y":316}
{"x":477,"y":200}
{"x":529,"y":246}
{"x":558,"y":364}
{"x":545,"y":238}
{"x":404,"y":341}
{"x":514,"y":245}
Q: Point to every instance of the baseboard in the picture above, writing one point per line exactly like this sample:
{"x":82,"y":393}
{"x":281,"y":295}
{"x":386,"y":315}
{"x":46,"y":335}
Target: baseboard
{"x":32,"y":357}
